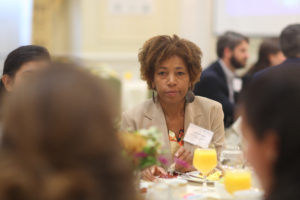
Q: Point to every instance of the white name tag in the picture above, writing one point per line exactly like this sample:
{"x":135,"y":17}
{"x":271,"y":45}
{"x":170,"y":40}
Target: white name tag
{"x":237,"y":84}
{"x":198,"y":136}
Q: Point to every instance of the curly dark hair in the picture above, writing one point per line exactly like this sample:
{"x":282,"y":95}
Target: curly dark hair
{"x":160,"y":48}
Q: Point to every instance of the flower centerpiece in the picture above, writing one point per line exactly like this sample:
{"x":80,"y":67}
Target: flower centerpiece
{"x":143,"y":148}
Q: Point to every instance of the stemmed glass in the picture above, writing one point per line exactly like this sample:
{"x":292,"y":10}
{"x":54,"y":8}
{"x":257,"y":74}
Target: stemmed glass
{"x":205,"y":160}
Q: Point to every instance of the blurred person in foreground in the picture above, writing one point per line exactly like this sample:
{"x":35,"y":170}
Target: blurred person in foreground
{"x":20,"y":63}
{"x":270,"y":126}
{"x":269,"y":54}
{"x":219,"y":80}
{"x":171,"y":65}
{"x":290,"y":46}
{"x":59,"y":142}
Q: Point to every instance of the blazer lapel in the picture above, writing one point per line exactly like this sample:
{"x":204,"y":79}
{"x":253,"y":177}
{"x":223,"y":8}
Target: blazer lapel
{"x":191,"y":115}
{"x":221,"y":74}
{"x":156,"y":115}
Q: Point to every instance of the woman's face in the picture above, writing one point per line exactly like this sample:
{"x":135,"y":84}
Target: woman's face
{"x":171,"y":80}
{"x":25,"y":71}
{"x":260,"y":153}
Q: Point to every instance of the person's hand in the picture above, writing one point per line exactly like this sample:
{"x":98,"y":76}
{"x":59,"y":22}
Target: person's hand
{"x":184,"y":160}
{"x":149,"y":173}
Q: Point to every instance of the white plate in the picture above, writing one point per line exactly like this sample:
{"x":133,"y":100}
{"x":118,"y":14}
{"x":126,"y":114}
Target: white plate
{"x":193,"y":176}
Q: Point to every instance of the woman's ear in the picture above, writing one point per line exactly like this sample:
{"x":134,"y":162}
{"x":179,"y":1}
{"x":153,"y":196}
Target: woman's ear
{"x":271,"y":145}
{"x":7,"y":82}
{"x":153,"y":85}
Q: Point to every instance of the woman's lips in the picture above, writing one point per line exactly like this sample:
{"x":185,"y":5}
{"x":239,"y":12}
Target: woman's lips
{"x":171,"y":93}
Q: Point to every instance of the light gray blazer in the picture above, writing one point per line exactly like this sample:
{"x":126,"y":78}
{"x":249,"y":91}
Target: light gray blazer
{"x":202,"y":111}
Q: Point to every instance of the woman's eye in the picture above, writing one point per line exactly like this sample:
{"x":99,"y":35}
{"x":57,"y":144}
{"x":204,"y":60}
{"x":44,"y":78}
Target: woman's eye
{"x":161,"y":73}
{"x":180,"y":73}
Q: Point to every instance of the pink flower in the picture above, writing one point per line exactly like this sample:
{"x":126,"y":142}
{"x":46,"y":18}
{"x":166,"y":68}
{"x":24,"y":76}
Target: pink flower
{"x":140,"y":154}
{"x":182,"y":163}
{"x":163,"y":160}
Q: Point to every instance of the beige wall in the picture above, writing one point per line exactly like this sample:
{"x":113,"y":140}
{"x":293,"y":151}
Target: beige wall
{"x":51,"y":25}
{"x":104,"y":32}
{"x":86,"y":29}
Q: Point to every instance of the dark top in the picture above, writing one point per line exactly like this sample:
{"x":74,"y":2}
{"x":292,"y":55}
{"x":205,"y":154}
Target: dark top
{"x":286,"y":65}
{"x":213,"y":85}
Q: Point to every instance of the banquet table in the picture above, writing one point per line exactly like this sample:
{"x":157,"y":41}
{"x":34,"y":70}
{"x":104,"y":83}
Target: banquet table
{"x":193,"y":191}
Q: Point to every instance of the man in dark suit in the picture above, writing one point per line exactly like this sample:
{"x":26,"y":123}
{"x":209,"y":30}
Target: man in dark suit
{"x":290,"y":46}
{"x":218,"y":81}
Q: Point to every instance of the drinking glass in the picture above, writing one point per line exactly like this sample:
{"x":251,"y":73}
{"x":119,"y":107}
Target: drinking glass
{"x":205,"y":160}
{"x":237,"y":179}
{"x":232,"y":158}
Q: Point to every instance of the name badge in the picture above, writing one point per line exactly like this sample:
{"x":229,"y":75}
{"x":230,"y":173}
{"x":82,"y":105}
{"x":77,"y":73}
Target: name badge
{"x":237,"y":84}
{"x":198,"y":136}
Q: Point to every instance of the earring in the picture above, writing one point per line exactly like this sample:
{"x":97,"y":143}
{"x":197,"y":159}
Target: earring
{"x":190,"y":96}
{"x":153,"y":95}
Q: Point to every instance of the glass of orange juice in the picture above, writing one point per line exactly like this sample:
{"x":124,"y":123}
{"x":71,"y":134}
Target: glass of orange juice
{"x":205,"y":160}
{"x":237,"y":179}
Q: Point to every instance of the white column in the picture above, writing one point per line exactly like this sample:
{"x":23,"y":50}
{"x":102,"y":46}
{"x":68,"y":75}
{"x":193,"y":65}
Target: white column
{"x":196,"y":24}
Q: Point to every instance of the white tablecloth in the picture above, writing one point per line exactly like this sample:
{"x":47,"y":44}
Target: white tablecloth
{"x":193,"y":192}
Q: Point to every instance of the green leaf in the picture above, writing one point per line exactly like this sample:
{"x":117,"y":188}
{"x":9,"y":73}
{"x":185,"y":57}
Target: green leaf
{"x":147,"y":162}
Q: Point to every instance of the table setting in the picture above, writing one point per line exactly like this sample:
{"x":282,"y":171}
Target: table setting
{"x":227,"y":177}
{"x":231,"y":180}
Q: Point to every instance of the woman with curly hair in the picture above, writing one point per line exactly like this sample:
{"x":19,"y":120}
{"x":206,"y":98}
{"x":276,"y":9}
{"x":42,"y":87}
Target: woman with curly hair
{"x":171,"y":66}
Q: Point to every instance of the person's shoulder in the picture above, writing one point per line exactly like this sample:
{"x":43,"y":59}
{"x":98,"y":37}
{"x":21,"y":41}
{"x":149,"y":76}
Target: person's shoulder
{"x":140,"y":108}
{"x":211,"y":71}
{"x":268,"y":70}
{"x":212,"y":67}
{"x":288,"y":64}
{"x":206,"y":103}
{"x":133,"y":118}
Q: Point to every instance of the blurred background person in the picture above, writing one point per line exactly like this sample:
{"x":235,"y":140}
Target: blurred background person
{"x":20,"y":63}
{"x":219,"y":81}
{"x":68,"y":29}
{"x":171,"y":65}
{"x":269,"y":54}
{"x":290,"y":45}
{"x":270,"y":126}
{"x":59,"y":140}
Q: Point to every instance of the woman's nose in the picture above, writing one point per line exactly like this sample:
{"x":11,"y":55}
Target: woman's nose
{"x":171,"y":79}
